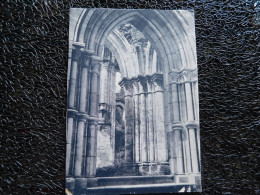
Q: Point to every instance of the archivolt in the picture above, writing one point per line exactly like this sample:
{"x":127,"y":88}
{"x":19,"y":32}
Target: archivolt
{"x":170,"y":34}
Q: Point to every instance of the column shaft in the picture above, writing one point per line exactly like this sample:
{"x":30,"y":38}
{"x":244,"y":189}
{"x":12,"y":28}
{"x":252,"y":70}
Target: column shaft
{"x":103,"y":83}
{"x":150,"y":126}
{"x":198,"y":145}
{"x":194,"y":150}
{"x":172,"y":151}
{"x":113,"y":111}
{"x":195,"y":96}
{"x":91,"y":149}
{"x":155,"y":128}
{"x":69,"y":143}
{"x":137,"y":130}
{"x":160,"y":130}
{"x":91,"y":152}
{"x":182,"y":102}
{"x":189,"y":102}
{"x":93,"y":94}
{"x":187,"y":154}
{"x":72,"y":83}
{"x":175,"y":103}
{"x":178,"y":152}
{"x":143,"y":133}
{"x":129,"y":128}
{"x":83,"y":89}
{"x":76,"y":57}
{"x":79,"y":149}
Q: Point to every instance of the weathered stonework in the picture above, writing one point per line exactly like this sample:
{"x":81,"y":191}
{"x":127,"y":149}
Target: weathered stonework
{"x":151,"y":127}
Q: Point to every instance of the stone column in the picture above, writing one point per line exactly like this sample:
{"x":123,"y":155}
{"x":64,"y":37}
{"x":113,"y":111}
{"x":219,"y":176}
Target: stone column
{"x":79,"y":146}
{"x":93,"y":112}
{"x":172,"y":153}
{"x":195,"y":95}
{"x":69,"y":136}
{"x":175,"y":103}
{"x":182,"y":101}
{"x":91,"y":149}
{"x":194,"y":150}
{"x":129,"y":120}
{"x":136,"y":122}
{"x":113,"y":110}
{"x":84,"y":80}
{"x":143,"y":127}
{"x":174,"y":98}
{"x":76,"y":54}
{"x":179,"y":165}
{"x":198,"y":144}
{"x":151,"y":157}
{"x":109,"y":78}
{"x":189,"y":102}
{"x":104,"y":82}
{"x":187,"y":154}
{"x":95,"y":70}
{"x":159,"y":117}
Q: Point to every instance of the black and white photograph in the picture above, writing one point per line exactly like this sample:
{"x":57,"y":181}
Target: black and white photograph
{"x":133,"y":105}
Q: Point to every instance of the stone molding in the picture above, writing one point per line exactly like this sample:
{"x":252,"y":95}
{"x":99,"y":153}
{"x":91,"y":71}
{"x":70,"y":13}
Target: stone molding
{"x":77,"y":49}
{"x":71,"y":113}
{"x":144,"y":84}
{"x":183,"y":76}
{"x":96,"y":64}
{"x":184,"y":125}
{"x":105,"y":65}
{"x":81,"y":115}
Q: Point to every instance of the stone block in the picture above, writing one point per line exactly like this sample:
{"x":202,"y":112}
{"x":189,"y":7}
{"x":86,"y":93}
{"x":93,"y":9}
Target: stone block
{"x":80,"y":186}
{"x":183,"y":179}
{"x":70,"y":184}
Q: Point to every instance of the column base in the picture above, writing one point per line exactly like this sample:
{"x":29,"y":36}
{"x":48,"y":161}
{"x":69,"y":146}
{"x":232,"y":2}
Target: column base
{"x":130,"y":169}
{"x":70,"y":184}
{"x":79,"y":186}
{"x":154,"y":168}
{"x":92,"y":182}
{"x":191,"y":178}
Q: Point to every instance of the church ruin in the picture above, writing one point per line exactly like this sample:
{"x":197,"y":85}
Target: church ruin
{"x":132,"y":100}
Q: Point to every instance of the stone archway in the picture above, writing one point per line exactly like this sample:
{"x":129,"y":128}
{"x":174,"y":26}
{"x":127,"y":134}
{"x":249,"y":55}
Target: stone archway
{"x":159,"y":78}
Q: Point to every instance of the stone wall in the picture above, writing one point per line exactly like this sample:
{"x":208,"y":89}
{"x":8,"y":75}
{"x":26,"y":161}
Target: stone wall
{"x":105,"y":151}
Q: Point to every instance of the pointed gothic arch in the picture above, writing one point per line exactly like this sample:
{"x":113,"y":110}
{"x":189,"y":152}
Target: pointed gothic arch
{"x":161,"y":110}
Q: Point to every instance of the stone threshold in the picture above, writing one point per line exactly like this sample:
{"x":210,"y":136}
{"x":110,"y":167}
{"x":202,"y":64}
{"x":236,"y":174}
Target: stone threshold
{"x":134,"y":180}
{"x":144,"y":188}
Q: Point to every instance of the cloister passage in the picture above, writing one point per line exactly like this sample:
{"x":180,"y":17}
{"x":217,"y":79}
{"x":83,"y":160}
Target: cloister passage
{"x":132,"y":96}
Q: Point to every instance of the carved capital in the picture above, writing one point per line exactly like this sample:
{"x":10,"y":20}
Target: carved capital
{"x":181,"y":76}
{"x":127,"y":85}
{"x":88,"y":53}
{"x":142,"y":84}
{"x":77,"y":50}
{"x":86,"y":57}
{"x":157,"y":80}
{"x":135,"y":86}
{"x":104,"y":65}
{"x":111,"y":68}
{"x":149,"y":83}
{"x":96,"y":64}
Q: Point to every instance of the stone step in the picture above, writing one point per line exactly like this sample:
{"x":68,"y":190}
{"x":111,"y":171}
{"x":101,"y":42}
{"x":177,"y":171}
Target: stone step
{"x":139,"y":189}
{"x":134,"y":180}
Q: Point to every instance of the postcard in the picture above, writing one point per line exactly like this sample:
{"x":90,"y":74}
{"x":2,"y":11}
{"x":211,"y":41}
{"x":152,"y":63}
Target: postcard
{"x":133,"y":105}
